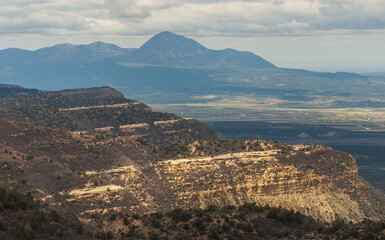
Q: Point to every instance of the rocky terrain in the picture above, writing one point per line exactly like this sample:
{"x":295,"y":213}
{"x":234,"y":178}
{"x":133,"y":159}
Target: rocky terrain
{"x":159,"y":162}
{"x":315,"y":180}
{"x":248,"y":221}
{"x":99,"y":111}
{"x":23,"y":217}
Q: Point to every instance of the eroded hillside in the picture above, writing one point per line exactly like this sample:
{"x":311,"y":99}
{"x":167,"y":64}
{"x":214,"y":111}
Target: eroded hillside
{"x":122,"y":158}
{"x":315,"y":180}
{"x":100,"y":110}
{"x":128,"y":174}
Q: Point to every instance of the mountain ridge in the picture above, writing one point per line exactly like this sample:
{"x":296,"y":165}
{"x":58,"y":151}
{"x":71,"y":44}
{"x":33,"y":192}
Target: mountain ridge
{"x":170,"y":68}
{"x":169,"y":49}
{"x":164,"y":48}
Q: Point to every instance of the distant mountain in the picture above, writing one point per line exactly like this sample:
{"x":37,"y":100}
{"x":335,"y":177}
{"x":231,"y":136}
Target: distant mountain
{"x":61,"y":53}
{"x":170,"y":68}
{"x":164,"y":49}
{"x":14,"y":90}
{"x":379,"y":74}
{"x":80,"y":53}
{"x":169,"y":49}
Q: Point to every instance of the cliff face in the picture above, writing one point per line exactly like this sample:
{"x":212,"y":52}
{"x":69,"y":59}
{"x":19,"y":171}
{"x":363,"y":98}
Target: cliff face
{"x":124,"y":174}
{"x":262,"y":177}
{"x":314,"y":180}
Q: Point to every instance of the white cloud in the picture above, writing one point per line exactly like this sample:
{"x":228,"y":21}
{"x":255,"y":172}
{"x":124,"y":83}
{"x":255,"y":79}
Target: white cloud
{"x":194,"y":18}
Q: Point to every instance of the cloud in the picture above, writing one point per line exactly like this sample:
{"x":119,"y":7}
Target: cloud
{"x":191,"y":17}
{"x":121,"y":9}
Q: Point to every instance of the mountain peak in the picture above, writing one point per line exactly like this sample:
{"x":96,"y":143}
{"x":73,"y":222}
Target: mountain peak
{"x":98,"y":43}
{"x":167,"y":48}
{"x":165,"y":34}
{"x":101,"y":48}
{"x":168,"y":36}
{"x":63,"y":46}
{"x":167,"y":45}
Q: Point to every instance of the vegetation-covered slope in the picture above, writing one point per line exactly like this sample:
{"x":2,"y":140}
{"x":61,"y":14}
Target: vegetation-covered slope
{"x":23,"y":217}
{"x":127,"y":173}
{"x":101,"y":110}
{"x":159,"y":162}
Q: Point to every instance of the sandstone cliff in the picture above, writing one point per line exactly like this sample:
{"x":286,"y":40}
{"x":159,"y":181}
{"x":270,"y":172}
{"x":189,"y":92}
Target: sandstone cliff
{"x":126,"y":174}
{"x":316,"y":181}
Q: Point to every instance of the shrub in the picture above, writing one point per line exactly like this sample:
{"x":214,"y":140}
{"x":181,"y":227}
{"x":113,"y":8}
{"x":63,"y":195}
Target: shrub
{"x":79,"y":229}
{"x":186,"y":226}
{"x":199,"y":225}
{"x":157,"y":215}
{"x":298,"y":233}
{"x":155,"y":223}
{"x":55,"y":216}
{"x":125,"y":221}
{"x":153,"y":236}
{"x":211,"y":208}
{"x":179,"y":214}
{"x":2,"y":225}
{"x":272,"y":213}
{"x":336,"y":225}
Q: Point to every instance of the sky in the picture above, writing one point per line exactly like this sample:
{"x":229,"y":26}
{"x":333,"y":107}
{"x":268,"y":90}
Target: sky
{"x":322,"y":35}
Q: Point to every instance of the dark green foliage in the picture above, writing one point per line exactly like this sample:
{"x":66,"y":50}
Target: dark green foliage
{"x":155,"y":223}
{"x":179,"y":214}
{"x":55,"y":216}
{"x":248,"y":221}
{"x":199,"y":225}
{"x":2,"y":225}
{"x":225,"y":228}
{"x":373,"y":226}
{"x":173,"y":149}
{"x":250,"y":207}
{"x":153,"y":236}
{"x":105,"y":235}
{"x":186,"y":226}
{"x":157,"y":215}
{"x":214,"y":234}
{"x":211,"y":208}
{"x":79,"y":229}
{"x":284,"y":216}
{"x":125,"y":221}
{"x":336,"y":225}
{"x":12,"y":200}
{"x":22,"y":217}
{"x":113,"y":217}
{"x":198,"y":212}
{"x":298,"y":233}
